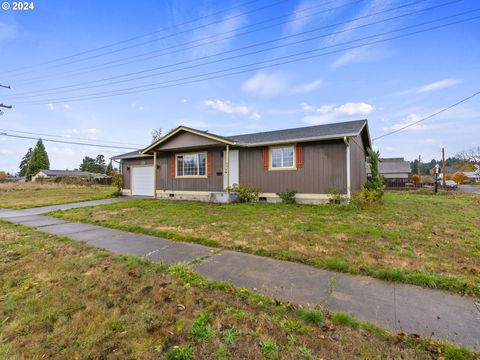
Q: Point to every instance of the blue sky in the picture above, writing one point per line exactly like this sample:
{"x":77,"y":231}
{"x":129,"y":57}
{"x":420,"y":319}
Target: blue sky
{"x":391,"y":83}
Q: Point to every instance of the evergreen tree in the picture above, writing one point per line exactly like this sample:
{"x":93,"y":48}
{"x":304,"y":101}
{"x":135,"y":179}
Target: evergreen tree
{"x":88,"y":164}
{"x":100,"y":164}
{"x":110,"y":171}
{"x":38,"y":160}
{"x":24,"y":163}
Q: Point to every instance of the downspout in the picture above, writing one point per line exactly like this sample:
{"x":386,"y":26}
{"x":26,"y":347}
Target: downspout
{"x":154,"y":174}
{"x":227,"y":167}
{"x":347,"y":144}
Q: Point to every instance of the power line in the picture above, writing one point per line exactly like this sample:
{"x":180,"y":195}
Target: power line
{"x":150,"y":87}
{"x":68,"y":137}
{"x":154,"y":33}
{"x":200,"y":42}
{"x":48,"y":91}
{"x":428,"y":117}
{"x":68,"y":142}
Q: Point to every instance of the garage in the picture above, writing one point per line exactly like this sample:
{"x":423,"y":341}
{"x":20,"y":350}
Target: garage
{"x":142,"y":180}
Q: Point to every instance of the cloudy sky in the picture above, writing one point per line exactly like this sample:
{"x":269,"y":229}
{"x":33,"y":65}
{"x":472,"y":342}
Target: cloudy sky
{"x":109,"y":72}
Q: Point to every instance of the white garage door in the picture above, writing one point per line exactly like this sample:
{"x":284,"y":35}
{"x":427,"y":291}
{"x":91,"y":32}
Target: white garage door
{"x":142,"y":180}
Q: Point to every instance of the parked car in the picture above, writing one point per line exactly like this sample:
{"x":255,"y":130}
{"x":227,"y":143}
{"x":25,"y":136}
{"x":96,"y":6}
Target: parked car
{"x":449,"y":183}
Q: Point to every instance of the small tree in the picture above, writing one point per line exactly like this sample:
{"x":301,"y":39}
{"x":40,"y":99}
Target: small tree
{"x":100,"y":164}
{"x":459,"y":177}
{"x":156,"y":134}
{"x":38,"y":161}
{"x":416,"y":178}
{"x":24,"y":163}
{"x":110,"y":171}
{"x":88,"y":164}
{"x":3,"y":175}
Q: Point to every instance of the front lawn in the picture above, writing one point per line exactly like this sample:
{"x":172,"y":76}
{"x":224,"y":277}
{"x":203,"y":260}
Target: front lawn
{"x":428,"y":240}
{"x":32,"y":194}
{"x":62,"y":299}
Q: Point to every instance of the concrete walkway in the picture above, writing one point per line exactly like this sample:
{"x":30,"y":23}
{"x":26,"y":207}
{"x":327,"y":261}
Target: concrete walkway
{"x":399,"y":308}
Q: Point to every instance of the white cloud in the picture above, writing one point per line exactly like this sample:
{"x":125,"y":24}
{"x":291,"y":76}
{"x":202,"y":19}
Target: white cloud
{"x":305,"y":88}
{"x":51,"y":107}
{"x":437,"y":85}
{"x":66,"y":106}
{"x":408,"y":121}
{"x":228,"y":107}
{"x":266,"y":85}
{"x":327,"y":113}
{"x":351,"y":56}
{"x":90,"y":133}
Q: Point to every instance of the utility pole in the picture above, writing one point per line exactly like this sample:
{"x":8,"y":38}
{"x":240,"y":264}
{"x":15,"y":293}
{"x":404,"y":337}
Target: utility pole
{"x":444,"y":184}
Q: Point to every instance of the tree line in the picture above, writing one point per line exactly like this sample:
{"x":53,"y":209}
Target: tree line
{"x":36,"y":159}
{"x":462,"y":161}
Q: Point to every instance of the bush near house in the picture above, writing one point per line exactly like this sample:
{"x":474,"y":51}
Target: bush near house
{"x":459,"y":177}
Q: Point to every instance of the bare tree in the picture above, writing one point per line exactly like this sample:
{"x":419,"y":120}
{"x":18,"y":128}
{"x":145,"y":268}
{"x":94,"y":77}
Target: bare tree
{"x":470,"y":155}
{"x":156,"y":134}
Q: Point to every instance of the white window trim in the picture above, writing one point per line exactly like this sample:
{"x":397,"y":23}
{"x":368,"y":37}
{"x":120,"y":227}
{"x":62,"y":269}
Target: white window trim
{"x":192,"y":176}
{"x":294,"y":165}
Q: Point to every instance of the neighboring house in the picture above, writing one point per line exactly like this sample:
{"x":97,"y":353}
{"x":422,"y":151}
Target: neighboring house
{"x":474,"y":175}
{"x":67,"y":173}
{"x":393,"y":168}
{"x":192,"y":164}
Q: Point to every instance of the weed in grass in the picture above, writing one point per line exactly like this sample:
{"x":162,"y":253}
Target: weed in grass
{"x":239,"y":314}
{"x":201,"y":329}
{"x":135,"y":261}
{"x":312,"y":317}
{"x":229,"y":336}
{"x":336,"y":264}
{"x":222,"y":353}
{"x":342,"y":318}
{"x":454,"y":352}
{"x":184,"y":352}
{"x":303,"y":353}
{"x":270,"y":349}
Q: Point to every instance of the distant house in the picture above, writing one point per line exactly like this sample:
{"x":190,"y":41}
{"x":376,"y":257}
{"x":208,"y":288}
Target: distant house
{"x":474,"y":175}
{"x":67,"y":173}
{"x":192,"y":164}
{"x":393,"y":168}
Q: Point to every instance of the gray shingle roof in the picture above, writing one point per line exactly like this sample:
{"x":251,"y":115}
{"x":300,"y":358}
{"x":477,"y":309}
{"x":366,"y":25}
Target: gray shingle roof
{"x":131,"y":155}
{"x":318,"y":131}
{"x":393,"y":166}
{"x":69,"y":173}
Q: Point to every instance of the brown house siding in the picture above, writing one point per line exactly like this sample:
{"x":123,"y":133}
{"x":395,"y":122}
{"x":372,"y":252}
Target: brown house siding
{"x":129,"y":163}
{"x":324,"y":168}
{"x":185,"y":141}
{"x":357,"y":164}
{"x":165,"y":180}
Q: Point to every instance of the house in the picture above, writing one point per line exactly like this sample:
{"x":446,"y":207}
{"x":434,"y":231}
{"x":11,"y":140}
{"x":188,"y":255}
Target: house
{"x":66,"y":173}
{"x":474,"y":175}
{"x":192,"y":164}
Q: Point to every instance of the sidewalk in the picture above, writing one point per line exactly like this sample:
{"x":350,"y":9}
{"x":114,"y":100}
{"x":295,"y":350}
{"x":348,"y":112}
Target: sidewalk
{"x":397,"y":307}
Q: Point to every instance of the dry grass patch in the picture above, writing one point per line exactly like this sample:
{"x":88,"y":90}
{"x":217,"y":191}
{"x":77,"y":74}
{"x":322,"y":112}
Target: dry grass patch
{"x":32,"y":194}
{"x":61,"y":299}
{"x":427,"y":240}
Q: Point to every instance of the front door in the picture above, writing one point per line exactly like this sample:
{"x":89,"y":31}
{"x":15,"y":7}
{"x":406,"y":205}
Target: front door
{"x":234,"y":168}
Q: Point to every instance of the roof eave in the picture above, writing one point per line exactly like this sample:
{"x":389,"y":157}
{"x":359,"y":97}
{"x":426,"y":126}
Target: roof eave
{"x":299,"y":140}
{"x":190,"y":130}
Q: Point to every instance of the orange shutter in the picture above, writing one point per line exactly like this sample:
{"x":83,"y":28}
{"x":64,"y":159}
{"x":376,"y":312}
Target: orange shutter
{"x":265,"y":158}
{"x":209,"y":163}
{"x":300,"y":156}
{"x":173,"y":165}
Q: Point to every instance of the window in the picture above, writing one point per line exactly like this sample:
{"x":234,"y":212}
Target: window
{"x":282,"y":157}
{"x":192,"y":165}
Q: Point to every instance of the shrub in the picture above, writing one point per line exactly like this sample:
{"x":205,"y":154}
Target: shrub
{"x":376,"y":181}
{"x":270,"y":350}
{"x":416,"y":178}
{"x":184,"y":352}
{"x":459,"y":177}
{"x":367,"y":197}
{"x":201,"y":328}
{"x":246,"y":193}
{"x":335,"y":197}
{"x":117,"y":181}
{"x":313,"y":317}
{"x":288,"y":197}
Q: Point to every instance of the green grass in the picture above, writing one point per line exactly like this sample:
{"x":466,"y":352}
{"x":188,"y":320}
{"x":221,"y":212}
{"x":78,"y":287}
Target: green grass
{"x":28,"y":195}
{"x":426,"y":240}
{"x":59,"y":299}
